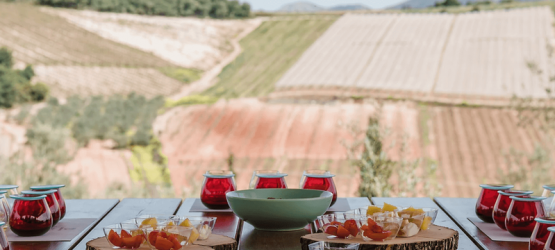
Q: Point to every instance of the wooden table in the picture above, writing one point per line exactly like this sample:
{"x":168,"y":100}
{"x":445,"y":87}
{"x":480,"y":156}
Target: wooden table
{"x":453,"y":214}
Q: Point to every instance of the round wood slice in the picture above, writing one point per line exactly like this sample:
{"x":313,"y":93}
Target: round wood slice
{"x":435,"y":237}
{"x":217,"y":242}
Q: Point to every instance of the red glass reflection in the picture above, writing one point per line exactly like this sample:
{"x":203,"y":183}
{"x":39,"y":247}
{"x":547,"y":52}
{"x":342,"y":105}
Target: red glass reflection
{"x":521,"y":215}
{"x":214,"y":190}
{"x":502,"y":205}
{"x":61,"y":203}
{"x":540,"y":234}
{"x":52,"y":204}
{"x":264,"y":182}
{"x":487,"y":199}
{"x":30,"y":217}
{"x":321,"y":183}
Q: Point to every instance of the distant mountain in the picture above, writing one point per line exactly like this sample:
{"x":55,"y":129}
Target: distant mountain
{"x":310,"y":7}
{"x":350,"y":7}
{"x":301,"y":7}
{"x":420,"y":4}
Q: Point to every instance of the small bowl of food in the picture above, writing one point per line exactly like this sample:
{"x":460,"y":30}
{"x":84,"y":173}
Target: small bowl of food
{"x":344,"y":227}
{"x":202,"y":226}
{"x":125,"y":236}
{"x":155,"y":219}
{"x":380,"y":228}
{"x":165,"y":237}
{"x":421,"y":217}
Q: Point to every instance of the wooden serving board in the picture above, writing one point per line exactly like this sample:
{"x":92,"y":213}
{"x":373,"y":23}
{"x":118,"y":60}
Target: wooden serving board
{"x":436,"y":237}
{"x":218,"y":242}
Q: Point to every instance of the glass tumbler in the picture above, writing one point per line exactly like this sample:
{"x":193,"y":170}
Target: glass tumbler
{"x":547,"y":190}
{"x":551,"y":208}
{"x":4,"y":244}
{"x":216,"y":185}
{"x":58,"y":195}
{"x":521,"y":215}
{"x":487,"y":199}
{"x":322,"y":181}
{"x":5,"y":208}
{"x":502,"y":205}
{"x":254,"y":178}
{"x":540,"y":234}
{"x":276,"y":180}
{"x":126,"y":236}
{"x":12,"y":189}
{"x":31,"y":216}
{"x":50,"y":200}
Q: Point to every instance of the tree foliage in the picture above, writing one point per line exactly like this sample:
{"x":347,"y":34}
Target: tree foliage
{"x":15,"y":85}
{"x":200,"y":8}
{"x":447,"y":3}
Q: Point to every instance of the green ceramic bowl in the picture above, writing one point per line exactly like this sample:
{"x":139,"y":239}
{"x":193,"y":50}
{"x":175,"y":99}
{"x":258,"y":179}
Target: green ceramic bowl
{"x":291,"y":209}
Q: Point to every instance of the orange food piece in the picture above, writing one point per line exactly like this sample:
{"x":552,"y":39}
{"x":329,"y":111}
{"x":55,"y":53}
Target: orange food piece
{"x":176,"y":244}
{"x":377,"y":236}
{"x":128,"y":242}
{"x":371,"y":222}
{"x":364,"y":227}
{"x":125,"y":234}
{"x":152,"y":237}
{"x":163,"y":244}
{"x":114,"y":238}
{"x":342,"y":232}
{"x":351,"y":225}
{"x":139,"y":239}
{"x":336,"y":223}
{"x":331,"y":230}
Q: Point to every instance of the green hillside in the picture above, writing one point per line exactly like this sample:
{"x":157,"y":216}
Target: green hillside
{"x":268,"y":52}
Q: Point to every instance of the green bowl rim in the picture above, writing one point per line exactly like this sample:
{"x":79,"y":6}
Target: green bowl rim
{"x":329,"y":194}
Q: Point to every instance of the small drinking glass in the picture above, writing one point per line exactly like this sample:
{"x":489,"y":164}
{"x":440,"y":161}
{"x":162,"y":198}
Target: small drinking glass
{"x":520,"y":219}
{"x":58,"y":194}
{"x":125,"y":236}
{"x":4,"y":244}
{"x":551,"y":208}
{"x":12,"y":189}
{"x":216,"y":185}
{"x":540,"y":234}
{"x":550,"y":244}
{"x":547,"y":190}
{"x":324,"y":220}
{"x":168,"y":236}
{"x":388,"y":228}
{"x":319,"y":180}
{"x":487,"y":199}
{"x":50,"y":200}
{"x":270,"y":181}
{"x":502,"y":205}
{"x":321,"y":245}
{"x":31,"y":216}
{"x":154,"y":219}
{"x":254,"y":178}
{"x":5,"y":207}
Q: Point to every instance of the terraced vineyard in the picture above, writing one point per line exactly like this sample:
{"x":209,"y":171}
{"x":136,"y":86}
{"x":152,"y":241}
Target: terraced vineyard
{"x":468,"y":143}
{"x":473,"y":55}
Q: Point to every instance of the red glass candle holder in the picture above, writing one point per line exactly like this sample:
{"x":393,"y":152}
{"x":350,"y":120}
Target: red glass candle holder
{"x":271,"y":181}
{"x":58,"y":195}
{"x":550,"y":244}
{"x":487,"y":199}
{"x":521,"y":215}
{"x":320,"y":182}
{"x":4,"y":244}
{"x":31,"y":216}
{"x":502,"y":205}
{"x":540,"y":234}
{"x":50,"y":200}
{"x":216,"y":185}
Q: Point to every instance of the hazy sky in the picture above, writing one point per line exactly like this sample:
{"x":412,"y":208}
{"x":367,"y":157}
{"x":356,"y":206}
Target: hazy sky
{"x":271,"y":5}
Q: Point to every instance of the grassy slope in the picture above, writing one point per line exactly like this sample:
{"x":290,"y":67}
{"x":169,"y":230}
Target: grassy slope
{"x":269,"y":52}
{"x":40,"y":38}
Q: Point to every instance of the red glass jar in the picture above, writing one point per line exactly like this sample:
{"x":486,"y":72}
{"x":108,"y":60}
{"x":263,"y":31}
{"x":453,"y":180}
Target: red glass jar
{"x":271,"y":181}
{"x":540,"y":234}
{"x":521,"y":215}
{"x":4,"y":244}
{"x":216,"y":185}
{"x":320,"y":182}
{"x":50,"y":200}
{"x":550,"y":242}
{"x":502,"y":205}
{"x":31,"y":216}
{"x":487,"y":199}
{"x":58,"y":195}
